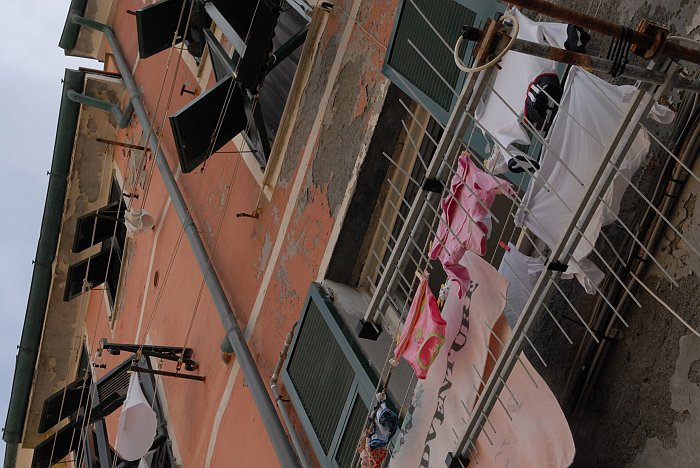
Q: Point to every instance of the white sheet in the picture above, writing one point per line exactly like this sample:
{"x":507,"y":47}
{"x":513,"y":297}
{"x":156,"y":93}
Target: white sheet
{"x":581,"y":141}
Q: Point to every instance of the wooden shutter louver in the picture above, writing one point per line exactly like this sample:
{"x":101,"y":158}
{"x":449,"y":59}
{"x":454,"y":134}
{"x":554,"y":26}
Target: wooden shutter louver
{"x":448,"y":17}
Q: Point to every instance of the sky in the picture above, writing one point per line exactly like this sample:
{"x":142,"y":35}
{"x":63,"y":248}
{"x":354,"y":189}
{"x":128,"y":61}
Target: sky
{"x":31,"y":66}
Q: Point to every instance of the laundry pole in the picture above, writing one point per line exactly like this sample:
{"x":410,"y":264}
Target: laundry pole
{"x":656,"y":41}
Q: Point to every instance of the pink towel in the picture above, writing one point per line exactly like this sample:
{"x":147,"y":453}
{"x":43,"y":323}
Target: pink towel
{"x":465,"y":221}
{"x":423,"y":333}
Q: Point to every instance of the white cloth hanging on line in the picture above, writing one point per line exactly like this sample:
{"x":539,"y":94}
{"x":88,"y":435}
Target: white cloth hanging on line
{"x":517,"y":72}
{"x":580,"y":141}
{"x":138,"y":221}
{"x":522,"y":272}
{"x":137,"y":423}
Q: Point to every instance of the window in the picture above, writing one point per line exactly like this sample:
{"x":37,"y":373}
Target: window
{"x":104,"y":396}
{"x":413,"y":37}
{"x":256,"y":70}
{"x":57,"y":406}
{"x":102,"y":226}
{"x":400,"y":191}
{"x":195,"y":125}
{"x":329,"y":381}
{"x":290,"y":34}
{"x":99,"y":400}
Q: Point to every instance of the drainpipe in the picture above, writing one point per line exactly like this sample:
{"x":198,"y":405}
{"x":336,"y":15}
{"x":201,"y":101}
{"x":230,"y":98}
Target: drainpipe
{"x":280,"y":403}
{"x":266,"y":408}
{"x":122,"y":118}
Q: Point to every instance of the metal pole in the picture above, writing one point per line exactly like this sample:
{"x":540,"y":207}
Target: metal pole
{"x":119,"y":143}
{"x":605,"y":27}
{"x":179,"y":375}
{"x":590,"y":62}
{"x":605,"y":174}
{"x":254,"y":381}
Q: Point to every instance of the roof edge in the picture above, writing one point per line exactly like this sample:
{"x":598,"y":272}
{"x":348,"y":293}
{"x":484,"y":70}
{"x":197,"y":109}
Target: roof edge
{"x":42,"y":274}
{"x":69,"y":36}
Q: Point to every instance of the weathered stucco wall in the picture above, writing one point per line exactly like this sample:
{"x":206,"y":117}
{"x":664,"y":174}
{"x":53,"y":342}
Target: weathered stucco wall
{"x":267,"y":264}
{"x":88,"y":189}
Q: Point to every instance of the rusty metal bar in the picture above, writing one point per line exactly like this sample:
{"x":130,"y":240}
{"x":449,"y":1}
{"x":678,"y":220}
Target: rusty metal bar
{"x":606,"y":27}
{"x":590,"y":62}
{"x":178,"y":375}
{"x":119,"y":143}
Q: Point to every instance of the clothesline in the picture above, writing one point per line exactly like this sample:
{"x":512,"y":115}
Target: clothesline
{"x":586,"y":242}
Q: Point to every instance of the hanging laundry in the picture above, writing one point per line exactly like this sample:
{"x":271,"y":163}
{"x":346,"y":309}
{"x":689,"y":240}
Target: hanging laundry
{"x":423,"y":332}
{"x":137,"y":423}
{"x":520,"y":83}
{"x":465,"y":222}
{"x":436,"y":407}
{"x":520,"y":271}
{"x":384,"y":423}
{"x":582,"y":131}
{"x":538,"y":436}
{"x":373,"y":447}
{"x":138,"y":221}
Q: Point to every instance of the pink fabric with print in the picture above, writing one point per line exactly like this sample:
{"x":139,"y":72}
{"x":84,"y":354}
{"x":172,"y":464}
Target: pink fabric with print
{"x":465,"y":221}
{"x":423,"y":333}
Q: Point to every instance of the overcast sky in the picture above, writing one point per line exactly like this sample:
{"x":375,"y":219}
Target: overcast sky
{"x":32,"y":67}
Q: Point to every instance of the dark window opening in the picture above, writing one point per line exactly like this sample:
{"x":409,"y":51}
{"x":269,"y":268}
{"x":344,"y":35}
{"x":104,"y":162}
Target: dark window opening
{"x":278,"y":82}
{"x":106,"y":226}
{"x":90,"y":438}
{"x":156,"y":25}
{"x":426,"y":150}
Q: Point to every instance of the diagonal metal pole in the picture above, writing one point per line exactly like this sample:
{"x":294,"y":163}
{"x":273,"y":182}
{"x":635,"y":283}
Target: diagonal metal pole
{"x":619,"y":147}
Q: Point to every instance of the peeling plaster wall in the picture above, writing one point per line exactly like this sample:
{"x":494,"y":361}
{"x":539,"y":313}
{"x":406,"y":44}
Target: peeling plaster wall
{"x":176,"y":310}
{"x":88,"y":188}
{"x":90,"y":42}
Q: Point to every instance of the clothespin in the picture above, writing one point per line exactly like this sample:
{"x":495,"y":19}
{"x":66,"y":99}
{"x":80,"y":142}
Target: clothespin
{"x":504,"y":246}
{"x":422,"y":276}
{"x":442,"y":295}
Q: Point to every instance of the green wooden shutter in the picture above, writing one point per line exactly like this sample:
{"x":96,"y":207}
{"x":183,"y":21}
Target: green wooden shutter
{"x":321,"y":375}
{"x":348,"y":443}
{"x":447,"y":17}
{"x":329,"y":382}
{"x":405,"y":67}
